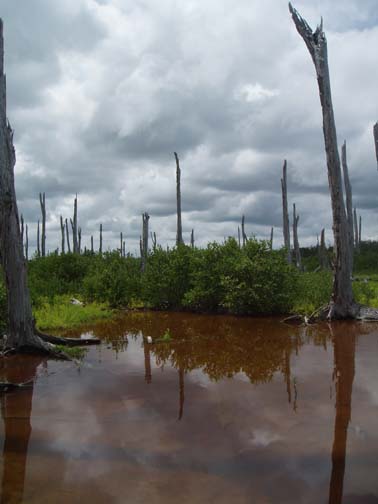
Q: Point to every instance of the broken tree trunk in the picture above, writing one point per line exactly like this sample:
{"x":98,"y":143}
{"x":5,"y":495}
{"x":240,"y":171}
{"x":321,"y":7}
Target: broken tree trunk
{"x":100,"y":247}
{"x":375,"y":133}
{"x":285,"y":212}
{"x":26,"y":243}
{"x":356,"y":243}
{"x":244,"y":236}
{"x":38,"y":241}
{"x":271,"y":239}
{"x":68,"y":238}
{"x":192,"y":238}
{"x":359,"y":232}
{"x":297,"y":251}
{"x":42,"y":201}
{"x":179,"y":238}
{"x":144,"y":244}
{"x":79,"y":240}
{"x":62,"y":232}
{"x":92,"y":249}
{"x":349,"y":201}
{"x":342,"y":303}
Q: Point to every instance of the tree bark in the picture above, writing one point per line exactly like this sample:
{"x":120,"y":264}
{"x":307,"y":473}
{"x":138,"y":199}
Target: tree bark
{"x":297,"y":251}
{"x":192,"y":238}
{"x":42,"y":201}
{"x":92,"y":249}
{"x":342,"y":303}
{"x":349,"y":201}
{"x":62,"y":232}
{"x":356,"y":242}
{"x":271,"y":238}
{"x":375,"y":133}
{"x":285,"y":212}
{"x":179,"y":238}
{"x":68,"y":238}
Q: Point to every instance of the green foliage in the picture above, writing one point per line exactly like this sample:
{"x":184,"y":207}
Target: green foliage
{"x":59,"y":313}
{"x":314,"y":290}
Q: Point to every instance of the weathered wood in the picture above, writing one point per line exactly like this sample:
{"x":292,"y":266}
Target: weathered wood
{"x":92,"y":248}
{"x":359,"y":232}
{"x":79,"y":240}
{"x":38,"y":241}
{"x":26,"y":243}
{"x":349,"y":201}
{"x":68,"y":238}
{"x":192,"y":238}
{"x":297,"y":252}
{"x":271,"y":238}
{"x":100,"y":247}
{"x":42,"y":201}
{"x":75,"y":231}
{"x":179,"y":238}
{"x":285,"y":212}
{"x":244,"y":236}
{"x":342,"y":303}
{"x":239,"y":237}
{"x":356,"y":242}
{"x":375,"y":133}
{"x":62,"y":233}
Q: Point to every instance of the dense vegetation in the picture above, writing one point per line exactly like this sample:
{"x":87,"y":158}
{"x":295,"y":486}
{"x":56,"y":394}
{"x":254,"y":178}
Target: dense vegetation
{"x":221,"y":278}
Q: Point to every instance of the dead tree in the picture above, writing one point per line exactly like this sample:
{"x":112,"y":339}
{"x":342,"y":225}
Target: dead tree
{"x":42,"y":201}
{"x":285,"y":212}
{"x":22,"y":231}
{"x":342,"y":304}
{"x":239,"y":237}
{"x":144,"y":240}
{"x":38,"y":241}
{"x":68,"y":238}
{"x":375,"y":133}
{"x":297,"y":251}
{"x":124,"y":248}
{"x":271,"y":239}
{"x":79,"y":240}
{"x":359,"y":232}
{"x":192,"y":238}
{"x":121,"y":244}
{"x":26,"y":243}
{"x":179,"y":238}
{"x":92,"y":249}
{"x":62,"y":232}
{"x":244,"y":236}
{"x":356,"y":241}
{"x":349,"y":201}
{"x":153,"y":239}
{"x":75,"y":231}
{"x":100,"y":247}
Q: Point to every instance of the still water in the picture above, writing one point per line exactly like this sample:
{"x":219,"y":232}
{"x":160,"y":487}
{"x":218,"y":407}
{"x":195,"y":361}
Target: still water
{"x":229,"y":411}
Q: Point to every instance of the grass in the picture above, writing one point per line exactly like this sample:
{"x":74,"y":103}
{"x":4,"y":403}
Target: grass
{"x":61,"y":314}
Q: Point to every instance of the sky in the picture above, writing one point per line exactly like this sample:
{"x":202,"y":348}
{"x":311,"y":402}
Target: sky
{"x":102,"y":92}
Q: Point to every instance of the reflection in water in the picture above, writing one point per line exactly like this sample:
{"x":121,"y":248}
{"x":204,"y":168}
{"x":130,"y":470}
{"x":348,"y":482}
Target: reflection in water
{"x":344,"y":356}
{"x":16,"y":410}
{"x":147,"y":362}
{"x":181,"y":392}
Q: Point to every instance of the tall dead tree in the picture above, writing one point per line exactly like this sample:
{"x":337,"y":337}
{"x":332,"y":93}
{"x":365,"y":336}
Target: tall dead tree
{"x":124,"y":248}
{"x":179,"y":238}
{"x":375,"y":133}
{"x":62,"y":233}
{"x":239,"y":237}
{"x":359,"y":232}
{"x":356,"y":242}
{"x":38,"y":241}
{"x":144,"y":241}
{"x":348,"y":200}
{"x":26,"y":243}
{"x":75,"y":231}
{"x":285,"y":212}
{"x":68,"y":238}
{"x":79,"y":240}
{"x":42,"y":201}
{"x":244,"y":236}
{"x":342,"y":304}
{"x":100,"y":247}
{"x":271,"y":239}
{"x":153,"y":239}
{"x":297,"y":251}
{"x":192,"y":238}
{"x":121,"y":244}
{"x":22,"y":230}
{"x":92,"y":249}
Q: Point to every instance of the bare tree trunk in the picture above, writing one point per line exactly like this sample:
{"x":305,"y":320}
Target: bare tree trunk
{"x":68,"y":238}
{"x":297,"y":251}
{"x":359,"y":232}
{"x":75,"y":242}
{"x":192,"y":238}
{"x":285,"y":212}
{"x":342,"y":303}
{"x":244,"y":236}
{"x":153,"y":239}
{"x":144,"y":254}
{"x":375,"y":133}
{"x":62,"y":232}
{"x":121,"y":243}
{"x":79,"y":241}
{"x":239,"y":237}
{"x":92,"y":249}
{"x":22,"y":231}
{"x":26,"y":243}
{"x":349,"y":201}
{"x":271,"y":238}
{"x":179,"y":239}
{"x":124,"y":248}
{"x":42,"y":201}
{"x":100,"y":248}
{"x":356,"y":243}
{"x":38,"y":242}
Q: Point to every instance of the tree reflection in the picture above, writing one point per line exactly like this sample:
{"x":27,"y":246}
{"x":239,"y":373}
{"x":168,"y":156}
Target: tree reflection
{"x":16,"y":410}
{"x":344,"y":341}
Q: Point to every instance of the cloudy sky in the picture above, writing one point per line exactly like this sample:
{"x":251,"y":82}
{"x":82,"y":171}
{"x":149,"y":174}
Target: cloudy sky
{"x":102,"y":92}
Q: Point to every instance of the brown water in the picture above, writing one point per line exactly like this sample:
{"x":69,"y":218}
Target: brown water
{"x":230,"y":411}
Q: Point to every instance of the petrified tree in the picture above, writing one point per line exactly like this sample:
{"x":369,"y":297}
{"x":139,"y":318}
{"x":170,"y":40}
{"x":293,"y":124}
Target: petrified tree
{"x":342,"y":303}
{"x":62,"y":232}
{"x":297,"y":252}
{"x":68,"y":238}
{"x":179,"y":238}
{"x":349,"y":202}
{"x":42,"y":201}
{"x":285,"y":212}
{"x":375,"y":133}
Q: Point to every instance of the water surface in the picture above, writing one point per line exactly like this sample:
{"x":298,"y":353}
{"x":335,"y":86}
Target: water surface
{"x":232,"y":410}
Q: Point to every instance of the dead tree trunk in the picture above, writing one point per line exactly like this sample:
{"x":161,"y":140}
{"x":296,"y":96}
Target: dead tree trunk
{"x":42,"y":201}
{"x":124,"y":248}
{"x":26,"y":243}
{"x":68,"y":238}
{"x":153,"y":239}
{"x":62,"y":232}
{"x":244,"y":236}
{"x":356,"y":242}
{"x":100,"y":247}
{"x":271,"y":239}
{"x":179,"y":238}
{"x":285,"y":212}
{"x":342,"y":303}
{"x":192,"y":238}
{"x":359,"y":233}
{"x":297,"y":251}
{"x":349,"y":202}
{"x":79,"y":240}
{"x":144,"y":251}
{"x":375,"y":133}
{"x":22,"y":231}
{"x":239,"y":237}
{"x":92,"y":249}
{"x":38,"y":242}
{"x":75,"y":241}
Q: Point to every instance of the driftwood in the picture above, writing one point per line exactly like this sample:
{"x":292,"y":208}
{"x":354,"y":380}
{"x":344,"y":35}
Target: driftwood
{"x":285,"y":212}
{"x":342,"y":304}
{"x":349,"y":203}
{"x":42,"y":201}
{"x":179,"y":238}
